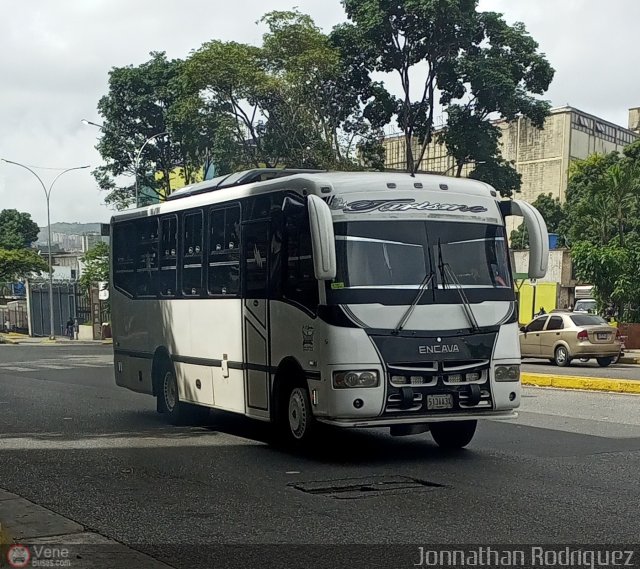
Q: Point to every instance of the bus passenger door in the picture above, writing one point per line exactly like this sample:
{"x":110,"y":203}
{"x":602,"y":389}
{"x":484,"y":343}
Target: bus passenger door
{"x":255,"y":317}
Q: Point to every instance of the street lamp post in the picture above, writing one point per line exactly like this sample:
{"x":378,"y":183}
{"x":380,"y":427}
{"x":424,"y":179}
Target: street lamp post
{"x":85,"y":121}
{"x":47,"y":194}
{"x":137,"y":161}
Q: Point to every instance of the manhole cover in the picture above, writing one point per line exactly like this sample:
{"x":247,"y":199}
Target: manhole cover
{"x":354,"y":488}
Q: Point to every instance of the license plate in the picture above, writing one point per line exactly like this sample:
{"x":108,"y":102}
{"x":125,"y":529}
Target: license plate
{"x":602,"y":336}
{"x":439,"y":402}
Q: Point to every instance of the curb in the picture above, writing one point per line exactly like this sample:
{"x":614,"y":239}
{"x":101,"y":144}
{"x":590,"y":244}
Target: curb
{"x":585,"y":383}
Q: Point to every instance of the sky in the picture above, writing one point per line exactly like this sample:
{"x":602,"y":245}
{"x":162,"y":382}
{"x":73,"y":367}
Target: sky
{"x":55,"y":58}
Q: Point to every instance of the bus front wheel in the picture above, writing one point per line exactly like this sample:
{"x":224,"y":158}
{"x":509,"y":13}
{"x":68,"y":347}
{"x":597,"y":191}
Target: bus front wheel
{"x":451,"y":435}
{"x":297,"y":422}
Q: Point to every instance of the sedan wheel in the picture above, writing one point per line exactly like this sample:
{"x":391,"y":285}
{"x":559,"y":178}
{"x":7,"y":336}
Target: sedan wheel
{"x":561,"y":357}
{"x":604,"y":362}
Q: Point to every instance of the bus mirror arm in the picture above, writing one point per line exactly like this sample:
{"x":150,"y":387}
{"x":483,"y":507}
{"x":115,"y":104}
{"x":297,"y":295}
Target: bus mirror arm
{"x":538,"y":235}
{"x":322,"y":239}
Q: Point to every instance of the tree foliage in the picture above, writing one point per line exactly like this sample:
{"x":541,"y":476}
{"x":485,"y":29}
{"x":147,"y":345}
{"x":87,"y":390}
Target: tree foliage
{"x":16,"y":264}
{"x":614,"y":271}
{"x":144,"y":101}
{"x":602,"y":225}
{"x":17,"y":229}
{"x":471,"y":63}
{"x":17,"y":260}
{"x":96,"y":265}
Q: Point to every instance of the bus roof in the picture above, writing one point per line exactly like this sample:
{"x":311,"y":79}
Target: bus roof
{"x":322,"y":183}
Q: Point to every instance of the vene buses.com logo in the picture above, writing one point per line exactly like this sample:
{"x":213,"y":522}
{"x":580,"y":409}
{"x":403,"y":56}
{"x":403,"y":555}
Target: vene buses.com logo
{"x":18,"y":556}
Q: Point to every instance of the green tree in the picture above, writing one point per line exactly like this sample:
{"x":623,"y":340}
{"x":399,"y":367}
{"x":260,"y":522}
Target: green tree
{"x":603,"y":229}
{"x":18,"y":264}
{"x":552,"y":212}
{"x":603,"y":198}
{"x":290,"y":102}
{"x":17,"y":229}
{"x":96,"y":265}
{"x":233,"y":77}
{"x":472,"y":63}
{"x":614,"y":271}
{"x":324,"y":94}
{"x":144,"y":101}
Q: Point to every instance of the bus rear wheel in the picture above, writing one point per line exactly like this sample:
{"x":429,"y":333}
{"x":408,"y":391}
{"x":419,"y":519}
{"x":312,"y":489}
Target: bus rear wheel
{"x":452,"y":435}
{"x":178,"y":412}
{"x":297,"y":423}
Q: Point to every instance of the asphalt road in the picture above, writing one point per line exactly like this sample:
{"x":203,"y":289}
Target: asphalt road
{"x":565,"y":472}
{"x":586,"y":369}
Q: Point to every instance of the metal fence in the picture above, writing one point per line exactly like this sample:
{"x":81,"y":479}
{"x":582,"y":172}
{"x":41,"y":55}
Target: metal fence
{"x":69,"y":301}
{"x":14,"y":317}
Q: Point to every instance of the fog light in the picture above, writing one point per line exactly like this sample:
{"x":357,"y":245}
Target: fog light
{"x":512,"y":396}
{"x":473,"y":376}
{"x":358,"y":403}
{"x":399,"y":379}
{"x":417,"y":380}
{"x":455,"y":378}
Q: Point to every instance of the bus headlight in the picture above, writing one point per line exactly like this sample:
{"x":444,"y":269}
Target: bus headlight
{"x":507,"y":373}
{"x":352,"y":379}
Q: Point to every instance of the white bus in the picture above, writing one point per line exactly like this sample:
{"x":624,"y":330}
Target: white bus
{"x":301,"y":297}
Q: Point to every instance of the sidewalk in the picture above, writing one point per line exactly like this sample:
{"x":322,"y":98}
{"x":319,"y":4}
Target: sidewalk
{"x":630,"y":357}
{"x":39,"y":535}
{"x":15,"y":338}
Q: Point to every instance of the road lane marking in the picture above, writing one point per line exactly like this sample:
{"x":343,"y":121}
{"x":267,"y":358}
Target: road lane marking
{"x":16,"y":368}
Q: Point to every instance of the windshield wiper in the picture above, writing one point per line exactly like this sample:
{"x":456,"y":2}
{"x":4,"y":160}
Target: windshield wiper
{"x":407,"y":314}
{"x":445,"y":269}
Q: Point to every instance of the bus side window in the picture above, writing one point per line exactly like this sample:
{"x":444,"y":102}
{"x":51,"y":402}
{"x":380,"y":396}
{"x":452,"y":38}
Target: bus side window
{"x":168,"y":256}
{"x":256,"y":246}
{"x":146,"y":256}
{"x":192,"y":254}
{"x":224,"y":251}
{"x":124,"y":238}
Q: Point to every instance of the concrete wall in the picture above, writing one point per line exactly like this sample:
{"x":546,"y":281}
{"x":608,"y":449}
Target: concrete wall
{"x":558,"y":271}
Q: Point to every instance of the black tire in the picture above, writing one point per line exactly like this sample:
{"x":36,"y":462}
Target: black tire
{"x":296,"y":422}
{"x":561,"y":357}
{"x":178,"y":412}
{"x":604,"y":362}
{"x":584,"y":360}
{"x":452,"y":435}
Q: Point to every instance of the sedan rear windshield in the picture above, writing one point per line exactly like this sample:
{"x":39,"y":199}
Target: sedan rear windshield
{"x":587,"y":320}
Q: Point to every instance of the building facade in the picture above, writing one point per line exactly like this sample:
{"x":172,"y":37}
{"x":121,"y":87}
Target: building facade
{"x":541,"y":156}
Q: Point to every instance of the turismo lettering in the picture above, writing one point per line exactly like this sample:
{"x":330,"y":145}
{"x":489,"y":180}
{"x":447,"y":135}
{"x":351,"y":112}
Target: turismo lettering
{"x":366,"y":206}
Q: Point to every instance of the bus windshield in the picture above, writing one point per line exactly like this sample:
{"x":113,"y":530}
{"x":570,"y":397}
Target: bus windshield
{"x":398,"y":254}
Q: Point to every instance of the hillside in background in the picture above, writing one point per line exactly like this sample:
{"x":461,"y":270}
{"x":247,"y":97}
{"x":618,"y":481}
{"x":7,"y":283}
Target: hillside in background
{"x":69,"y":229}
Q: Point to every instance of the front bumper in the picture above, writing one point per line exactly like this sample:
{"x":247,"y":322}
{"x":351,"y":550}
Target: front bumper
{"x":416,"y":420}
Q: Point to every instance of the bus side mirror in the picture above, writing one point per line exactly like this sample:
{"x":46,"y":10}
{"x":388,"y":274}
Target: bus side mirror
{"x":538,"y":235}
{"x":322,"y":239}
